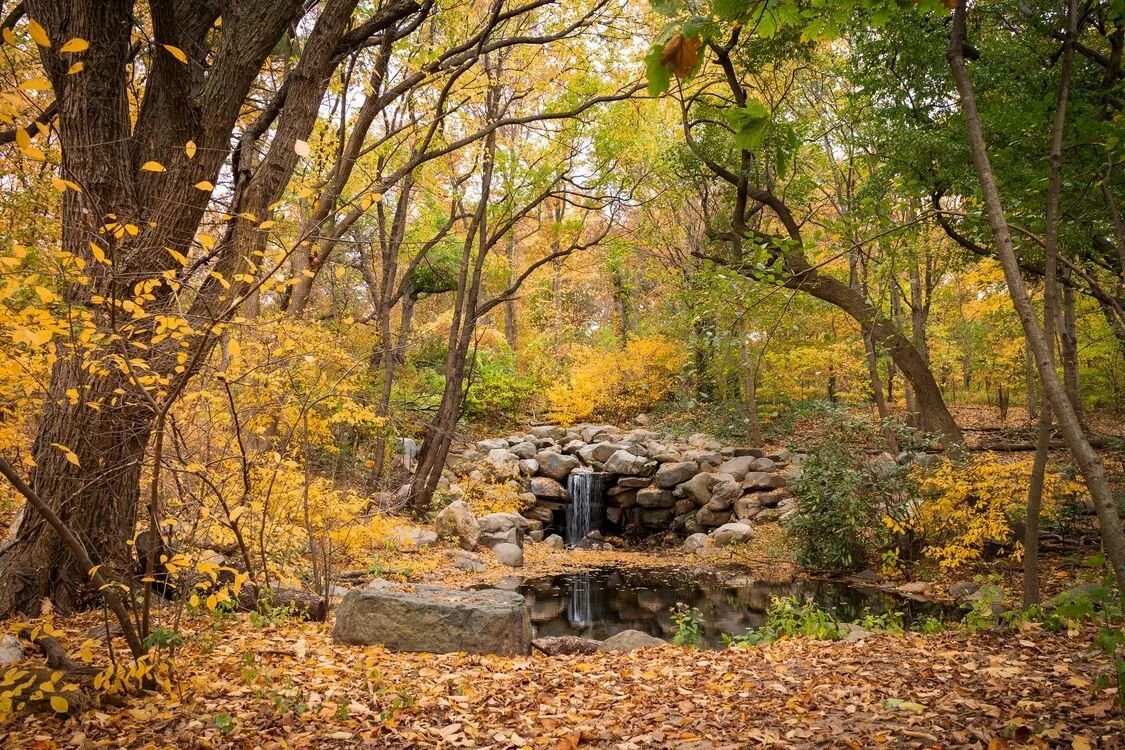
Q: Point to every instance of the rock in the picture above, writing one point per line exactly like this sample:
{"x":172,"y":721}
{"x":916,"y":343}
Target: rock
{"x":624,"y":462}
{"x":540,"y":513}
{"x":724,"y":492}
{"x":597,"y":433}
{"x":698,"y":488}
{"x":565,"y":645}
{"x":669,"y":475}
{"x":657,"y":518}
{"x":654,"y":497}
{"x":684,"y":505}
{"x":695,"y":542}
{"x":552,"y":431}
{"x":852,"y":632}
{"x":742,"y":451}
{"x":625,"y":498}
{"x":415,"y":538}
{"x":435,"y":619}
{"x":525,"y":449}
{"x":508,"y":554}
{"x":471,"y":561}
{"x":963,"y":589}
{"x":501,"y":465}
{"x":763,"y":464}
{"x":529,"y":467}
{"x":556,"y":465}
{"x":549,"y":489}
{"x":486,"y":446}
{"x":634,"y":482}
{"x":710,"y":518}
{"x":535,"y":536}
{"x":456,"y":522}
{"x":917,"y":588}
{"x":642,"y":419}
{"x":772,"y":498}
{"x":882,"y":466}
{"x":11,"y":650}
{"x":779,"y":455}
{"x":761,"y":480}
{"x":737,"y":467}
{"x":707,"y":459}
{"x":554,"y":541}
{"x":730,"y":533}
{"x":1084,"y":591}
{"x":501,"y":528}
{"x":747,"y":508}
{"x":630,"y":640}
{"x":573,"y":446}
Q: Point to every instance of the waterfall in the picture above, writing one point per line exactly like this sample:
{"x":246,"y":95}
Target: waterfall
{"x":580,"y":607}
{"x":587,"y":504}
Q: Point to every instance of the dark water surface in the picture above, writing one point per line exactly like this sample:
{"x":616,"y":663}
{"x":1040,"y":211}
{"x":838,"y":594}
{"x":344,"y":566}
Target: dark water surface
{"x":598,"y":603}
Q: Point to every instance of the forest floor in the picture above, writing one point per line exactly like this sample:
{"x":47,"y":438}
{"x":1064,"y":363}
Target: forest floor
{"x":246,"y":683}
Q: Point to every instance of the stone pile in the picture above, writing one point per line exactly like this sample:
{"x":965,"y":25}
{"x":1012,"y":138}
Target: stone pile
{"x":655,"y":484}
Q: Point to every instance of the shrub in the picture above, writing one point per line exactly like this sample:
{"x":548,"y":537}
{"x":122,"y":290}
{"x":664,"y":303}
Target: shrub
{"x":498,"y":389}
{"x":617,"y":385}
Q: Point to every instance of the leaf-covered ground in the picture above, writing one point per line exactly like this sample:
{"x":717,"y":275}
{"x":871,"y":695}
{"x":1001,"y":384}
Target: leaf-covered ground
{"x":289,"y":686}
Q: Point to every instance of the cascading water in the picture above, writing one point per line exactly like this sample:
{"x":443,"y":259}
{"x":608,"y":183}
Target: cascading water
{"x":581,"y":607}
{"x":587,"y":504}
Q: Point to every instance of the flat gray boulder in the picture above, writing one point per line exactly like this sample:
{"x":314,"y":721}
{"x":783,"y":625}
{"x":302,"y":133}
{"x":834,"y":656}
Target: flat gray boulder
{"x":508,"y":554}
{"x":556,"y":465}
{"x":630,"y":640}
{"x":669,"y":475}
{"x":434,"y":619}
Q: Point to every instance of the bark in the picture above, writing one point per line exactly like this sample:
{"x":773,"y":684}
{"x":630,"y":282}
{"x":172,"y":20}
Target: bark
{"x":1088,"y":460}
{"x":510,"y":331}
{"x":749,"y":381}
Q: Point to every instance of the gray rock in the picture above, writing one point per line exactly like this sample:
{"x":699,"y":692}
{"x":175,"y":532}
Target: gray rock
{"x":529,"y":467}
{"x":654,"y":497}
{"x":657,"y":518}
{"x":549,"y":489}
{"x":539,"y":513}
{"x":761,"y":480}
{"x":11,"y":650}
{"x":669,"y":475}
{"x":560,"y":645}
{"x":526,"y":449}
{"x":457,"y":523}
{"x":573,"y":446}
{"x":737,"y":467}
{"x":852,"y":632}
{"x":730,"y":533}
{"x":508,"y":554}
{"x":772,"y":498}
{"x":705,"y":458}
{"x":695,"y":542}
{"x":724,"y":492}
{"x":470,"y":561}
{"x":597,"y":433}
{"x":435,"y":619}
{"x":556,"y":465}
{"x":630,"y":640}
{"x":554,"y":541}
{"x":698,"y":488}
{"x":747,"y":508}
{"x":501,"y":465}
{"x":763,"y":464}
{"x":744,"y":451}
{"x":416,"y":538}
{"x":484,"y":446}
{"x":684,"y":505}
{"x":601,"y":452}
{"x":624,"y":462}
{"x":634,"y":482}
{"x":502,"y":528}
{"x":552,"y":431}
{"x":710,"y":518}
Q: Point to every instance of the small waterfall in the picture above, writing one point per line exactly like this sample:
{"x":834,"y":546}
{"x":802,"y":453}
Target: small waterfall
{"x":580,"y":607}
{"x":587,"y":504}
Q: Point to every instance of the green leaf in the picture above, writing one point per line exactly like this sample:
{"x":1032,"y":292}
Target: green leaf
{"x":729,"y":10}
{"x":658,"y":74}
{"x":665,"y":7}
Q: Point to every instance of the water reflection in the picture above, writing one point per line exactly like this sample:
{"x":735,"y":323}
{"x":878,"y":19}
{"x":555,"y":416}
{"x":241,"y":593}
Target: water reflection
{"x":599,"y":603}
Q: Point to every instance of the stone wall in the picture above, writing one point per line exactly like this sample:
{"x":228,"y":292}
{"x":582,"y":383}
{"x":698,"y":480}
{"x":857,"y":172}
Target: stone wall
{"x":655,"y":484}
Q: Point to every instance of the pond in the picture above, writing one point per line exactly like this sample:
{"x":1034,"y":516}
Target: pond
{"x":601,"y":602}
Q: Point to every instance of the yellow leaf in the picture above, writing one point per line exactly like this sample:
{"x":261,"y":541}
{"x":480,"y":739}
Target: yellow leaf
{"x":212,"y":601}
{"x":77,"y":44}
{"x":152,"y":166}
{"x":207,"y":241}
{"x":9,"y":37}
{"x":194,"y":600}
{"x":38,"y":33}
{"x":180,"y":258}
{"x":176,"y":52}
{"x":204,"y":185}
{"x":35,"y":84}
{"x":266,"y":224}
{"x":97,"y":252}
{"x":23,"y":140}
{"x":59,"y":704}
{"x":68,"y":453}
{"x":46,"y":294}
{"x":76,"y":68}
{"x":189,"y":149}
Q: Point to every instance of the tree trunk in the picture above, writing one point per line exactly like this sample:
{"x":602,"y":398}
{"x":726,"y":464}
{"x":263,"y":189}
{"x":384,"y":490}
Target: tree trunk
{"x":1068,"y":328}
{"x":1088,"y":460}
{"x":510,"y":331}
{"x":749,"y":380}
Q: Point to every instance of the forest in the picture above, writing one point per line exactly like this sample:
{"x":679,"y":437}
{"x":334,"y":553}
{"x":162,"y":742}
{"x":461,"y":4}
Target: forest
{"x":562,"y":373}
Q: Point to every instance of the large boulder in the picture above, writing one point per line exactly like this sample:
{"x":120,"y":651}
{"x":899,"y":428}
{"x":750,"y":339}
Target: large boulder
{"x":669,"y":475}
{"x":552,"y":431}
{"x":501,"y":465}
{"x":11,"y":650}
{"x":524,"y":449}
{"x":747,"y":508}
{"x":630,"y":640}
{"x":696,"y":542}
{"x":729,"y":533}
{"x":529,"y":467}
{"x":654,"y":497}
{"x":710,"y":519}
{"x":698,"y":488}
{"x":435,"y":619}
{"x":499,"y":528}
{"x":508,"y":554}
{"x":469,"y":561}
{"x":549,"y":489}
{"x":738,"y":466}
{"x":541,"y":513}
{"x":457,"y":523}
{"x":657,"y":517}
{"x":624,"y":462}
{"x":556,"y":465}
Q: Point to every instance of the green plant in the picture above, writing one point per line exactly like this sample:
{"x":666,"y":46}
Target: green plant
{"x":931,"y":626}
{"x":983,"y":614}
{"x":885,"y":622}
{"x":164,"y":638}
{"x":268,"y":614}
{"x":689,"y":627}
{"x":224,"y":722}
{"x":787,"y":618}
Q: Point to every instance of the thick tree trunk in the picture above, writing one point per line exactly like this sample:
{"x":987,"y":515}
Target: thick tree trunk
{"x":1088,"y":460}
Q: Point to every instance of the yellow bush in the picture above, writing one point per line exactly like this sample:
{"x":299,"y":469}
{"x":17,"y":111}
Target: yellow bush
{"x":486,"y":497}
{"x":615,"y":385}
{"x":964,"y":506}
